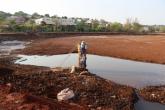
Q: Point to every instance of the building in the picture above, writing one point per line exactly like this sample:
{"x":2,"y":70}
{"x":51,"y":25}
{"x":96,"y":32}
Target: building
{"x":17,"y":19}
{"x":67,"y":21}
{"x":55,"y":21}
{"x":145,"y":28}
{"x":44,"y":20}
{"x":88,"y":21}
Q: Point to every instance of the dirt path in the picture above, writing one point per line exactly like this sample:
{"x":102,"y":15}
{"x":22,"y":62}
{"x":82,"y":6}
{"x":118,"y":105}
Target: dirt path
{"x":148,"y":48}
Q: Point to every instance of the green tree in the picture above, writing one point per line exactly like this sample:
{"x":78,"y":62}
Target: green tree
{"x":162,"y":29}
{"x":35,"y":16}
{"x":47,"y":15}
{"x":21,"y":13}
{"x":116,"y":27}
{"x":4,"y":15}
{"x":136,"y":26}
{"x":80,"y":25}
{"x":132,"y":26}
{"x":128,"y":26}
{"x":95,"y":25}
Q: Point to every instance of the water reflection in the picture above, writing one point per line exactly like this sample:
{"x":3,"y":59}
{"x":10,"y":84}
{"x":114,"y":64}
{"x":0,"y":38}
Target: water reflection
{"x":145,"y":105}
{"x":135,"y":74}
{"x":7,"y":46}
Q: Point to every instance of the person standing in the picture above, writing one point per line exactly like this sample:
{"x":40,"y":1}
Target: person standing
{"x":82,"y":50}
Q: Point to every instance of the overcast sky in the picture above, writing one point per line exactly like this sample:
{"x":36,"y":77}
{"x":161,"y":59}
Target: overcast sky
{"x":147,"y":11}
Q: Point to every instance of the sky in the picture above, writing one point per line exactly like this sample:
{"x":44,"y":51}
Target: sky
{"x":147,"y":11}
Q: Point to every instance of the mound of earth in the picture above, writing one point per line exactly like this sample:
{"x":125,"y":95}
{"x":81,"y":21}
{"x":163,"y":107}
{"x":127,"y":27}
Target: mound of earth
{"x":31,"y":87}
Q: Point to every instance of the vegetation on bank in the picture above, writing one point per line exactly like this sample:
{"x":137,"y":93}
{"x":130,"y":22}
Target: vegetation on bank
{"x":29,"y":25}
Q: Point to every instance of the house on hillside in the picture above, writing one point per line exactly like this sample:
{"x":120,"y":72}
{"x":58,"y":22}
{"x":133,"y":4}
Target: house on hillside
{"x":89,"y":21}
{"x":56,"y":21}
{"x":17,"y":19}
{"x":67,"y":21}
{"x":44,"y":20}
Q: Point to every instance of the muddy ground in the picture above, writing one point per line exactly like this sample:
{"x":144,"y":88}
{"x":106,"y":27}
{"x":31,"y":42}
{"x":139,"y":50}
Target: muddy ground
{"x":147,"y":48}
{"x":26,"y":87}
{"x":31,"y":87}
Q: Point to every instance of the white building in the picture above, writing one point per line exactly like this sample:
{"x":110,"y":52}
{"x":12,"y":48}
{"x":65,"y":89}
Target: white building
{"x":88,"y":21}
{"x":67,"y":21}
{"x":145,"y":29}
{"x":55,"y":21}
{"x":45,"y":20}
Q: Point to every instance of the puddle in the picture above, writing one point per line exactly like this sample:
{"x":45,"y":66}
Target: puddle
{"x":7,"y":46}
{"x":145,"y":105}
{"x":135,"y":74}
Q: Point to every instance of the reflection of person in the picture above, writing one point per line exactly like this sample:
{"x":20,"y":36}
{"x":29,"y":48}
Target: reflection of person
{"x":79,"y":53}
{"x":83,"y":62}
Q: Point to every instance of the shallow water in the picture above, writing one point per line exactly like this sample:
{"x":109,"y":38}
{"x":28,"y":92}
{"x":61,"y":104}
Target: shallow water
{"x":145,"y":105}
{"x":135,"y":74}
{"x":7,"y":46}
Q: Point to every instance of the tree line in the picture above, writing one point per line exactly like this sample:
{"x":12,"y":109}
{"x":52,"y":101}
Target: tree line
{"x":130,"y":26}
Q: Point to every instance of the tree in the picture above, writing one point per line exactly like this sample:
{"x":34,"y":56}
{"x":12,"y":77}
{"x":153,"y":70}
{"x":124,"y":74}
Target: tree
{"x":21,"y":13}
{"x":94,"y":25}
{"x":80,"y":25}
{"x":47,"y":15}
{"x":116,"y":27}
{"x":132,"y":26}
{"x":136,"y":26}
{"x":4,"y":15}
{"x":162,"y":29}
{"x":128,"y":25}
{"x":64,"y":17}
{"x":35,"y":16}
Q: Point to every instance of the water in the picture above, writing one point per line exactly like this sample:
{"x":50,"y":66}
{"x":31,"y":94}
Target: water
{"x":133,"y":73}
{"x":7,"y":46}
{"x":145,"y":105}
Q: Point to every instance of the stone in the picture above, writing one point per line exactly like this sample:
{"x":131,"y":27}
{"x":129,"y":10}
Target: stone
{"x":65,"y":94}
{"x":84,"y":73}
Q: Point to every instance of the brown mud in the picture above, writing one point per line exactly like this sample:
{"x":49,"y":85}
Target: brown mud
{"x":27,"y":87}
{"x":147,"y":48}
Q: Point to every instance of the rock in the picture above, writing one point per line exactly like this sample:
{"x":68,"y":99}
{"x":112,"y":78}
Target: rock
{"x":90,"y":106}
{"x":73,"y":69}
{"x":99,"y":108}
{"x":153,"y":95}
{"x":65,"y":94}
{"x":113,"y":96}
{"x":84,"y":73}
{"x":57,"y":69}
{"x":8,"y":84}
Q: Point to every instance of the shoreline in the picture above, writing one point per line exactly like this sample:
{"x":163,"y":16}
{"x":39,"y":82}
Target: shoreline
{"x":73,"y":33}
